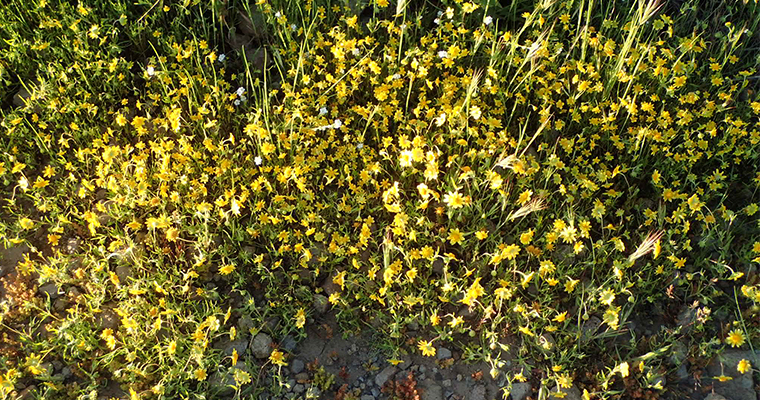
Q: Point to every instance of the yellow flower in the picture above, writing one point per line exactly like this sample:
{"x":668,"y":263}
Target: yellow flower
{"x":455,"y":236}
{"x":743,"y":366}
{"x":172,"y":234}
{"x":300,"y":318}
{"x":623,"y":369}
{"x":172,"y":347}
{"x":426,"y":348}
{"x":277,"y":357}
{"x":723,"y":378}
{"x":227,"y":269}
{"x":26,"y":223}
{"x":454,"y":199}
{"x":735,"y":338}
{"x":200,"y":374}
{"x":481,"y":234}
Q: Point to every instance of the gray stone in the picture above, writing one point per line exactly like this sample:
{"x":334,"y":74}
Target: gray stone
{"x":570,"y":394}
{"x":124,"y":272}
{"x":245,"y":323}
{"x":27,"y":393}
{"x":299,"y":388}
{"x":446,"y":383}
{"x":715,"y":396}
{"x":240,"y":345}
{"x":50,"y":289}
{"x":320,"y":303}
{"x":297,"y":366}
{"x":443,"y":353}
{"x":261,"y":347}
{"x":478,"y":393}
{"x":741,"y":386}
{"x":21,"y":98}
{"x":288,"y":343}
{"x":302,"y":377}
{"x":431,"y":391}
{"x":384,"y":375}
{"x":9,"y":258}
{"x":589,"y":328}
{"x":520,"y":390}
{"x":367,"y":397}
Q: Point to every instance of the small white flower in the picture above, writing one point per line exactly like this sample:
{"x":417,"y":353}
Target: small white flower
{"x":360,"y":146}
{"x":278,"y":14}
{"x":403,"y":26}
{"x":443,"y":54}
{"x":322,"y":111}
{"x":293,"y":27}
{"x":240,"y":91}
{"x":337,"y":124}
{"x":440,"y":13}
{"x":355,"y":52}
{"x":237,"y":102}
{"x":396,"y":76}
{"x":243,"y":98}
{"x":222,"y":57}
{"x":487,"y":20}
{"x":151,"y":71}
{"x":437,"y":21}
{"x":257,"y":160}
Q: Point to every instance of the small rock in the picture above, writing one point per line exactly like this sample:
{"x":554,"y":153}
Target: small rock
{"x":107,"y":319}
{"x":297,"y":366}
{"x":302,"y":377}
{"x":50,"y":289}
{"x":320,"y":303}
{"x":385,"y":375}
{"x":446,"y":383}
{"x":21,"y":98}
{"x":520,"y":390}
{"x":423,"y":368}
{"x":240,"y":345}
{"x":262,"y":345}
{"x":714,"y":396}
{"x":413,"y":326}
{"x":478,"y":393}
{"x":299,"y":388}
{"x":459,"y":377}
{"x":291,"y":384}
{"x":245,"y":323}
{"x":570,"y":394}
{"x":27,"y":393}
{"x":443,"y":353}
{"x":589,"y":328}
{"x":741,"y":386}
{"x":375,"y":392}
{"x":288,"y":343}
{"x":367,"y":397}
{"x":431,"y":391}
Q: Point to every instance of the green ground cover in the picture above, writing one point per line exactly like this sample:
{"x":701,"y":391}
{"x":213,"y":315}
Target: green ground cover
{"x":531,"y":181}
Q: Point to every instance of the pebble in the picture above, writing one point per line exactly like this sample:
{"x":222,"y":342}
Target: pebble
{"x":478,"y":393}
{"x":423,"y":368}
{"x":385,"y":375}
{"x":367,"y":397}
{"x":446,"y":383}
{"x":444,"y":353}
{"x":299,"y":388}
{"x":262,"y":345}
{"x":375,"y":392}
{"x":302,"y":377}
{"x":459,"y":377}
{"x":297,"y":366}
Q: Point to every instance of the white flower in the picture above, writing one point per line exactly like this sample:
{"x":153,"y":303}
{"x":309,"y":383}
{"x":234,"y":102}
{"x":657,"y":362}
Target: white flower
{"x":337,"y":124}
{"x":237,"y":102}
{"x":437,"y":21}
{"x":487,"y":20}
{"x":222,"y":57}
{"x":440,"y":13}
{"x":257,"y":160}
{"x":293,"y":27}
{"x":403,"y":26}
{"x":322,"y":111}
{"x":150,"y":70}
{"x":240,"y":91}
{"x":278,"y":14}
{"x":355,"y":52}
{"x":360,"y":146}
{"x":443,"y":54}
